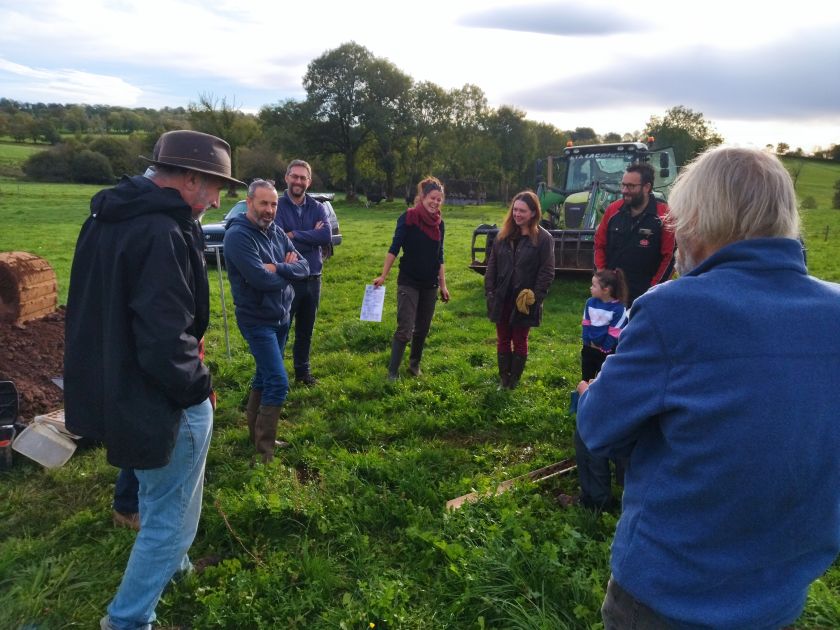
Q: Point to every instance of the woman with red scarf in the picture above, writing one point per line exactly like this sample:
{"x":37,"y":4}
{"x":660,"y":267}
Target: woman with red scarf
{"x":419,"y":234}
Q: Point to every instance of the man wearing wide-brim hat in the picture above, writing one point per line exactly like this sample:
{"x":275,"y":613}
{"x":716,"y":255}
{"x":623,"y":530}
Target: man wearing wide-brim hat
{"x":137,"y":308}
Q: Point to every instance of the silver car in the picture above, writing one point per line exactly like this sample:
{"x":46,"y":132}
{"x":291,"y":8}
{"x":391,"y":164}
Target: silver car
{"x":214,"y":233}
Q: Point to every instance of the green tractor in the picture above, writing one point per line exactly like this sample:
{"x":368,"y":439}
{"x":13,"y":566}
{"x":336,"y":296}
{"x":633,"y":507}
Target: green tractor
{"x":589,"y":179}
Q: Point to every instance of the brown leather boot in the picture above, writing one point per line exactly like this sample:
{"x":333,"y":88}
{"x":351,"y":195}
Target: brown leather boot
{"x":251,"y":411}
{"x":265,"y":431}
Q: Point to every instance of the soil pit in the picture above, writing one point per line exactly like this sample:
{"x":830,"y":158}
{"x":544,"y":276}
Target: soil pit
{"x":32,"y":354}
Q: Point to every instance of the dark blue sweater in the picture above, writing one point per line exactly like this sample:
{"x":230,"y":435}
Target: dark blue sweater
{"x":261,"y":297}
{"x":307,"y":239}
{"x":421,"y":256}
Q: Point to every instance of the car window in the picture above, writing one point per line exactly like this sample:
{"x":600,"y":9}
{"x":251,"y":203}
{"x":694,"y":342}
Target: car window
{"x":239,"y":208}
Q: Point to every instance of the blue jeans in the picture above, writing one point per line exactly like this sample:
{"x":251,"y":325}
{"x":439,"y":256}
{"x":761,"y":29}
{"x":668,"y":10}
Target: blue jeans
{"x":267,"y":344}
{"x":125,"y":492}
{"x":170,"y":505}
{"x":593,"y":475}
{"x":303,"y":311}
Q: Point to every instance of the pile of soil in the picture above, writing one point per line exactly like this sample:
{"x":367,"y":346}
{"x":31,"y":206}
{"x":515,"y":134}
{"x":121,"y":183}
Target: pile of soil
{"x":30,"y":355}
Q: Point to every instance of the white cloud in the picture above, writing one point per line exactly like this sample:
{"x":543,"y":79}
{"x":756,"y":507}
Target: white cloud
{"x":67,"y":85}
{"x":558,"y":60}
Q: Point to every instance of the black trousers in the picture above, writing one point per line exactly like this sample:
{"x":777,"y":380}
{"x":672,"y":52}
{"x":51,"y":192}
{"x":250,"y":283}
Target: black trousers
{"x":591,"y":360}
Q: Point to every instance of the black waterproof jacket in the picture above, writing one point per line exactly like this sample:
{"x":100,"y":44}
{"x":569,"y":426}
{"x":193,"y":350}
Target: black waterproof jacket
{"x":509,"y":270}
{"x":137,"y":307}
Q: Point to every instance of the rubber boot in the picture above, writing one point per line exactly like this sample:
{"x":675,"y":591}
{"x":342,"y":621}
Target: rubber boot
{"x":265,"y":431}
{"x":397,"y":351}
{"x":251,"y":411}
{"x":504,"y":359}
{"x":415,"y":356}
{"x":517,"y":366}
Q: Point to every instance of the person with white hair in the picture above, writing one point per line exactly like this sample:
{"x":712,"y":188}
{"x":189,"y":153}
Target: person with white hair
{"x":723,"y":392}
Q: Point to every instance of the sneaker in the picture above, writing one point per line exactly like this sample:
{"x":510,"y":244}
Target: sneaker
{"x":306,"y":379}
{"x":130,"y":520}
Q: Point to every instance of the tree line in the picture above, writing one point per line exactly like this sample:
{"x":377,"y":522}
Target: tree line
{"x":366,"y":126}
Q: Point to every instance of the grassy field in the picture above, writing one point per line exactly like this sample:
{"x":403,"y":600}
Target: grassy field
{"x":12,"y":156}
{"x":347,"y":528}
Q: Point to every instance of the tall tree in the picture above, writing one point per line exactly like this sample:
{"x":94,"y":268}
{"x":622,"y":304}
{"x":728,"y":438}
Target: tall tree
{"x":517,"y":142}
{"x":684,"y":129}
{"x":550,"y":140}
{"x":226,"y":121}
{"x":429,"y":112}
{"x":584,"y":135}
{"x":388,"y":114}
{"x":338,"y":91}
{"x":286,"y":127}
{"x":469,"y":152}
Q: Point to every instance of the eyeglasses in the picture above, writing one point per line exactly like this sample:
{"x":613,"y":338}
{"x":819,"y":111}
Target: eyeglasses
{"x":295,"y":177}
{"x":630,"y":186}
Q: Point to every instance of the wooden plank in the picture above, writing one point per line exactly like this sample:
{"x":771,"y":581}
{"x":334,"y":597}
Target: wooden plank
{"x":535,"y":476}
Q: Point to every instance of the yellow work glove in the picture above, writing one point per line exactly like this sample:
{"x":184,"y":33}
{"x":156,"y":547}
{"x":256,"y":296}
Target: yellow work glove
{"x":524,"y":300}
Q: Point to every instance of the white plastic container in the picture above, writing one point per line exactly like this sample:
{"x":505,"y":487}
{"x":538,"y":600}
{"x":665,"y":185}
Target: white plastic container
{"x":44,"y":444}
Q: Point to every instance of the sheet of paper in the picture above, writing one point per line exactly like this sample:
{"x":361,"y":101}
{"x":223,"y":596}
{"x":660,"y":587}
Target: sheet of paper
{"x":372,"y":304}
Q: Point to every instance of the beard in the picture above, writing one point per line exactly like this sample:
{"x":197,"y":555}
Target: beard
{"x":635,"y":201}
{"x":264,"y":222}
{"x":685,"y":262}
{"x":297,"y":190}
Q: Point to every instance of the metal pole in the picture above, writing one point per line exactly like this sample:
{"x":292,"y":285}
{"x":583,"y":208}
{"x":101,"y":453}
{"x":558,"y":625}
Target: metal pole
{"x":222,"y":295}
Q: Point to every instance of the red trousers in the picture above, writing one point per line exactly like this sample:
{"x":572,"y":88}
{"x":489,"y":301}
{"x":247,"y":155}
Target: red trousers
{"x":511,"y":338}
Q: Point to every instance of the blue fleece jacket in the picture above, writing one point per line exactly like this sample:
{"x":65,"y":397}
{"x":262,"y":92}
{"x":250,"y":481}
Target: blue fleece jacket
{"x":307,"y":239}
{"x":261,"y":297}
{"x":725,"y":385}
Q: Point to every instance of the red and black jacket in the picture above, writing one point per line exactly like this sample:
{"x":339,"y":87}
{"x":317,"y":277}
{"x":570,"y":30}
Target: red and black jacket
{"x":642,"y":247}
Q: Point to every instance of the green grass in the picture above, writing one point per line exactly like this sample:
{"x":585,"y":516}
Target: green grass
{"x":347,"y":528}
{"x":12,"y":157}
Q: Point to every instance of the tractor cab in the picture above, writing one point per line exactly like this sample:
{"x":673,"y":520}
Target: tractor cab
{"x":574,"y":190}
{"x":590,"y":178}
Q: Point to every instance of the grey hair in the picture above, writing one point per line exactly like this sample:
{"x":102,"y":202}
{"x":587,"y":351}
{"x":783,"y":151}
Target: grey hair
{"x":166,"y":170}
{"x":731,"y":194}
{"x":305,"y":165}
{"x":260,"y":183}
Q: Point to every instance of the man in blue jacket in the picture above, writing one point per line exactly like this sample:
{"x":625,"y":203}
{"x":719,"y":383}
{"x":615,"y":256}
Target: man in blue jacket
{"x":305,"y":222}
{"x":261,"y":265}
{"x":137,"y":309}
{"x":723,"y":390}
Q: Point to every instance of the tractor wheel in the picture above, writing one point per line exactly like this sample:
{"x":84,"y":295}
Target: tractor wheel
{"x":27,"y":287}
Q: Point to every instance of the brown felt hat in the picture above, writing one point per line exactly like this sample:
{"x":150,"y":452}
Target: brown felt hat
{"x":195,"y":151}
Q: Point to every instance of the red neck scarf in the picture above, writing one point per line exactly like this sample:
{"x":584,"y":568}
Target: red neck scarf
{"x":428,"y":222}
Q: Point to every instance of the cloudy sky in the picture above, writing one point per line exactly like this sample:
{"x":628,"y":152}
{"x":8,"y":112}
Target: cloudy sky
{"x":762,"y":72}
